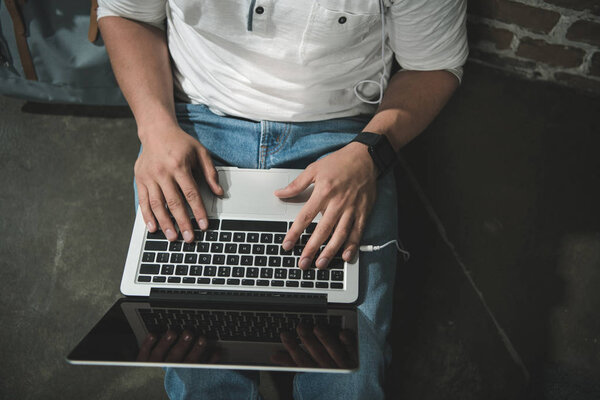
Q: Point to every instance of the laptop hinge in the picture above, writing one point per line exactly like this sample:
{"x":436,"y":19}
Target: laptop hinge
{"x":205,"y":296}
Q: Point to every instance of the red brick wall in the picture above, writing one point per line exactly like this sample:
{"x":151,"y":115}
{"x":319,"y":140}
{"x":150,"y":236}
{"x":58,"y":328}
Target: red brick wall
{"x":553,"y":40}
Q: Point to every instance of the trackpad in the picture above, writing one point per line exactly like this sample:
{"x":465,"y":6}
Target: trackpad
{"x":251,"y":193}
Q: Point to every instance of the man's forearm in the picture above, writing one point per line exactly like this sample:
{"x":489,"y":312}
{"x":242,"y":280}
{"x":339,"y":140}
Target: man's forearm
{"x":411,"y":101}
{"x":140,"y":60}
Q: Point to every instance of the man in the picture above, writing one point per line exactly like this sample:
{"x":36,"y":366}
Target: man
{"x":266,"y":83}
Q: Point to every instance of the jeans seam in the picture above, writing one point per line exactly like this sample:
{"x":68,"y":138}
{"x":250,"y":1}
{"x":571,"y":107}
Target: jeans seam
{"x":282,"y":140}
{"x":262,"y":145}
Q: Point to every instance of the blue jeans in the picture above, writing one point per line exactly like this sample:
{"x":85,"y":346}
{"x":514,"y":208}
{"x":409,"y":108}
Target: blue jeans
{"x":266,"y":144}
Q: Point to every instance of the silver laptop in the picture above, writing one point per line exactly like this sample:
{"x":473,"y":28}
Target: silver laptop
{"x":241,"y":251}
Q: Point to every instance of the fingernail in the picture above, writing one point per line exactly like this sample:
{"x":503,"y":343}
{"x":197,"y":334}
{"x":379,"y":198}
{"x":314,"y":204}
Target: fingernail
{"x":170,"y":234}
{"x":347,"y":255}
{"x":188,"y":236}
{"x":150,"y":226}
{"x":187,"y":337}
{"x":203,"y":224}
{"x":201,"y":341}
{"x":288,"y":244}
{"x":170,"y":336}
{"x":304,"y":263}
{"x":322,"y":262}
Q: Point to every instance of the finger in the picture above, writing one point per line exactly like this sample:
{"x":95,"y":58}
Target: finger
{"x":157,"y":204}
{"x":298,"y":355}
{"x":282,"y":358}
{"x":321,"y":233}
{"x":191,"y":193}
{"x":179,"y":349}
{"x":297,"y":186}
{"x":145,"y":348}
{"x":178,"y":209}
{"x":307,"y":213}
{"x":208,"y":170}
{"x":334,"y":346}
{"x":353,"y":241}
{"x":158,"y":353}
{"x":340,"y":234}
{"x":215,"y":356}
{"x":145,"y":207}
{"x":197,"y":351}
{"x":314,"y":346}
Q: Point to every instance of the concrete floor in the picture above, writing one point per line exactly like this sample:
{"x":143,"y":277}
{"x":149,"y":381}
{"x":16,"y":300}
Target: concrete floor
{"x":498,"y":206}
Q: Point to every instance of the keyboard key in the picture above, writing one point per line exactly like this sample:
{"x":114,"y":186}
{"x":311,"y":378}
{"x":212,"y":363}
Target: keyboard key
{"x":272,"y":249}
{"x":232,"y":281}
{"x":162,"y":257}
{"x":213,"y":224}
{"x":176,"y":258}
{"x":276,"y":283}
{"x":181,"y":270}
{"x":203,"y":247}
{"x":246,"y":260}
{"x":260,"y":261}
{"x":204,"y":259}
{"x":248,"y":282}
{"x":274,"y":261}
{"x":167,"y":269}
{"x":289,"y":262}
{"x":304,"y":239}
{"x":190,"y":258}
{"x":219,"y":259}
{"x":196,"y":270}
{"x":238,"y":272}
{"x":154,"y":245}
{"x":266,"y":238}
{"x":198,"y":235}
{"x":337,"y":275}
{"x":239,"y":237}
{"x":159,"y":279}
{"x":291,"y":284}
{"x":323,"y":275}
{"x":176,"y":245}
{"x":278,"y":238}
{"x":284,"y":252}
{"x":233,"y":260}
{"x":336,"y":263}
{"x":149,"y":269}
{"x":311,"y":227}
{"x":211,"y":236}
{"x":262,"y":282}
{"x":231,"y":248}
{"x":203,"y":281}
{"x":294,"y":273}
{"x":308,"y":274}
{"x":187,"y":247}
{"x":266,"y":273}
{"x":158,"y":235}
{"x":210,"y":271}
{"x":224,"y":271}
{"x":252,"y":272}
{"x":174,"y":279}
{"x":144,"y":279}
{"x":189,"y":280}
{"x":252,"y":238}
{"x":216,"y":248}
{"x":307,"y":284}
{"x":258,"y":249}
{"x":298,"y":250}
{"x":280,"y":273}
{"x":337,"y":285}
{"x":244,"y":248}
{"x":225,"y":237}
{"x":148,"y":257}
{"x":322,"y":285}
{"x":253,"y":226}
{"x":218,"y":281}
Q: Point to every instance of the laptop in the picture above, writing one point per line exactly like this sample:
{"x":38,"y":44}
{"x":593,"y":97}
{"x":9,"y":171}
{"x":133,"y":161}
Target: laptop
{"x":234,"y":289}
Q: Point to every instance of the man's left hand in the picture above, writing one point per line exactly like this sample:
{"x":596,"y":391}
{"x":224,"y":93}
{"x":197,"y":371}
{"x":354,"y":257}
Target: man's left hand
{"x":344,"y":192}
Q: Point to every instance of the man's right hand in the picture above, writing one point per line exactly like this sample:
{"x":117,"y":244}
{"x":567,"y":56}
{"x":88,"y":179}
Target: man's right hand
{"x":164,"y":175}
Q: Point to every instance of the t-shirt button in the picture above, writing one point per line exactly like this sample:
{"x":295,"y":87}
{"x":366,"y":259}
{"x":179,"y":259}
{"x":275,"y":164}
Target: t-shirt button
{"x":342,"y":20}
{"x":259,"y":10}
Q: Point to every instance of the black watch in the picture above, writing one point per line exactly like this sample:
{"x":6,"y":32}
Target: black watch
{"x":380,"y":149}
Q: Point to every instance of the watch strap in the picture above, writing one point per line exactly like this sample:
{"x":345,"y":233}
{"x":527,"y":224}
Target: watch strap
{"x":380,"y":150}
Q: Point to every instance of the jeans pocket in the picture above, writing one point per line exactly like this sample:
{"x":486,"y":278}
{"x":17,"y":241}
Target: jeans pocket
{"x":336,"y":28}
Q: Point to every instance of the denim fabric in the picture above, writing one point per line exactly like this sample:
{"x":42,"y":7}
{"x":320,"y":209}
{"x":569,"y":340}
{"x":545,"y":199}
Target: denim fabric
{"x":266,"y":144}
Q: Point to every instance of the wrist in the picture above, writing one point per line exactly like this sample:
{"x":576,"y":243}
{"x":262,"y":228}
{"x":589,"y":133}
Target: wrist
{"x":360,"y":153}
{"x":151,"y":131}
{"x":379,"y":149}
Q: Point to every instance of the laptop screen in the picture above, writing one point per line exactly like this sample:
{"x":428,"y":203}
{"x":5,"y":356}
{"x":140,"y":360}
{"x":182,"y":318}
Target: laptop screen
{"x":140,"y":333}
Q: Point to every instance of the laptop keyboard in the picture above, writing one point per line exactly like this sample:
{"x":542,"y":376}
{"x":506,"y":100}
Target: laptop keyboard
{"x":233,"y":325}
{"x":236,"y":253}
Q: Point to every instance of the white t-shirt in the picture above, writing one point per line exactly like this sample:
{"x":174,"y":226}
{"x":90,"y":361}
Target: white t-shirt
{"x":297,"y":60}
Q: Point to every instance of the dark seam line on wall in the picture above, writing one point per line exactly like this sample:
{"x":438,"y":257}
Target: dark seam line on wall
{"x":251,"y":15}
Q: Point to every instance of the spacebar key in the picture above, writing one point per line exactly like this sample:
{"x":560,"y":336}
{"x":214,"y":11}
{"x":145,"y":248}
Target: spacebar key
{"x":253,"y":226}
